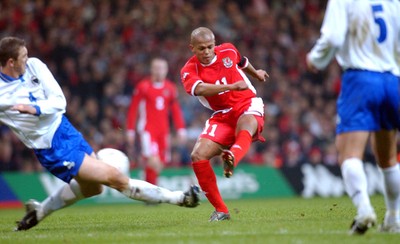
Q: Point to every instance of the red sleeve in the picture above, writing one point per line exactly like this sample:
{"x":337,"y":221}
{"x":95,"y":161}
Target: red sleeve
{"x":176,"y":110}
{"x":189,"y":76}
{"x":131,"y":117}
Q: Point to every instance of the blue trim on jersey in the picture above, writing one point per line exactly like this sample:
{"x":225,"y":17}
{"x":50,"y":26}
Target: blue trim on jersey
{"x":7,"y":78}
{"x":68,"y":149}
{"x":32,"y":98}
{"x":369,"y":101}
{"x":38,"y":111}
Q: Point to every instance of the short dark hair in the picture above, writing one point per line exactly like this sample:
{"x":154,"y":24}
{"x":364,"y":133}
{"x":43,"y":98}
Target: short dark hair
{"x":9,"y":48}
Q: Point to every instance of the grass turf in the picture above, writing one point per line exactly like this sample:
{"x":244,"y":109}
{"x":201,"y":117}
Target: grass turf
{"x":291,"y":220}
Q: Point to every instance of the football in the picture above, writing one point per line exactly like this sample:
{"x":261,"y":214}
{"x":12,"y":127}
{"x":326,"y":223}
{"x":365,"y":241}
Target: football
{"x":115,"y":158}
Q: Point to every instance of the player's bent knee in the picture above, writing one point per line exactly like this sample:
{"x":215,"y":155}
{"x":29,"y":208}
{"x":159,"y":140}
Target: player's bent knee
{"x":199,"y":156}
{"x":91,"y":190}
{"x":98,"y":190}
{"x":195,"y":156}
{"x":117,"y":180}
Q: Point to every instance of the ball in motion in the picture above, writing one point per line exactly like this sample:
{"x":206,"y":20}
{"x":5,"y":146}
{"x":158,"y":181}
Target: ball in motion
{"x":115,"y":158}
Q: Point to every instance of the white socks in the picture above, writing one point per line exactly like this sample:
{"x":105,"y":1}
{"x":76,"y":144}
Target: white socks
{"x":355,"y":182}
{"x":391,"y":181}
{"x":144,"y":191}
{"x":138,"y":190}
{"x":65,"y":196}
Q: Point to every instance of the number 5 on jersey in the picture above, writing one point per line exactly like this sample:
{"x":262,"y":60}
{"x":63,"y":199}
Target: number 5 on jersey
{"x":376,"y":10}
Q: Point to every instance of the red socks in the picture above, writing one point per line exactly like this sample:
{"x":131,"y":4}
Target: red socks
{"x":206,"y":176}
{"x":208,"y":183}
{"x":241,"y":145}
{"x":151,"y":175}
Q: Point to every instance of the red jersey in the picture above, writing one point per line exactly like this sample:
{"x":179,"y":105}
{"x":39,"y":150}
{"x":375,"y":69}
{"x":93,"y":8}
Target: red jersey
{"x":223,"y":69}
{"x":151,"y":105}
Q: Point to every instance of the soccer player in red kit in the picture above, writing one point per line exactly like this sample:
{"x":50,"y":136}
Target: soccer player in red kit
{"x":154,"y":99}
{"x":215,"y":74}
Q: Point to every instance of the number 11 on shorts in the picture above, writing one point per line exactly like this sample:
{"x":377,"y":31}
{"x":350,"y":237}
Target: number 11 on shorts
{"x":209,"y":131}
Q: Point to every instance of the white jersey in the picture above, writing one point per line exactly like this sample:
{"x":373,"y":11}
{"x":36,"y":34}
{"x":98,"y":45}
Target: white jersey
{"x":363,"y":34}
{"x":36,"y":87}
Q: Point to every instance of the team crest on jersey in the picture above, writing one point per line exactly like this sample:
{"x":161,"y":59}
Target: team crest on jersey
{"x":227,"y":62}
{"x":34,"y":80}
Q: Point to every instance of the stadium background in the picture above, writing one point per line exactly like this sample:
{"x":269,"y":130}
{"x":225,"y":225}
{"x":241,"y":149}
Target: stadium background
{"x":99,"y":50}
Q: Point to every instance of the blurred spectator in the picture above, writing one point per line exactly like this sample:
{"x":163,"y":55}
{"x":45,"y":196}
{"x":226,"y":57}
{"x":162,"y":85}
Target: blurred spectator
{"x":315,"y":156}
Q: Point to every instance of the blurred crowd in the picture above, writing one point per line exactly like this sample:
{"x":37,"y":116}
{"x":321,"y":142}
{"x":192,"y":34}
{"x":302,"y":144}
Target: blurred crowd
{"x":98,"y":50}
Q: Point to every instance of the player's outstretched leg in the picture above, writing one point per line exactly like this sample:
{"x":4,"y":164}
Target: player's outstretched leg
{"x":236,"y":152}
{"x":30,"y":219}
{"x":144,"y":191}
{"x":192,"y":197}
{"x":229,"y":162}
{"x":36,"y":211}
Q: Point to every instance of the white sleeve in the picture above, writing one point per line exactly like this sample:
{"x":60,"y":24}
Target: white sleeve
{"x":55,"y":100}
{"x":333,"y":34}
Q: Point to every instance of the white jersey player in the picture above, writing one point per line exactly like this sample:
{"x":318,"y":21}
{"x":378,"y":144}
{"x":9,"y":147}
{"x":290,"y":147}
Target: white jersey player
{"x":38,"y":87}
{"x":361,"y":34}
{"x":32,"y":105}
{"x":365,"y":38}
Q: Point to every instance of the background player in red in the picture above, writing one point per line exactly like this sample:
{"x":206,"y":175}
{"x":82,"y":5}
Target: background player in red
{"x":215,"y":75}
{"x":154,"y":99}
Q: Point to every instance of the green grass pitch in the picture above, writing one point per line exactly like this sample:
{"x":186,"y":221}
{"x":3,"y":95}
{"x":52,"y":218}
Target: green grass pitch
{"x":289,"y":220}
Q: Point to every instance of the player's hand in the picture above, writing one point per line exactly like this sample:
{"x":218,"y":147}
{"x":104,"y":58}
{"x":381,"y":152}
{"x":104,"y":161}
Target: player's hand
{"x":262,"y":75}
{"x":130,"y":138}
{"x":310,"y":66}
{"x":182,"y":136}
{"x":239,"y":86}
{"x":24,"y":108}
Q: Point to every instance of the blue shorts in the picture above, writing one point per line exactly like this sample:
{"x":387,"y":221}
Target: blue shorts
{"x":369,"y":101}
{"x":67,"y":151}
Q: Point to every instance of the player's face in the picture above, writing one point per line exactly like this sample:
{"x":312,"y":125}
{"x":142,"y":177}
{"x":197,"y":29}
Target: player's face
{"x":19,"y":65}
{"x":204,"y":50}
{"x":159,"y":70}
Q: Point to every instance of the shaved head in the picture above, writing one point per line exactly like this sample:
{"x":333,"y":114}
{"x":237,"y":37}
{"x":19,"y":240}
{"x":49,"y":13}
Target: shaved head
{"x":201,"y":34}
{"x":202,"y":43}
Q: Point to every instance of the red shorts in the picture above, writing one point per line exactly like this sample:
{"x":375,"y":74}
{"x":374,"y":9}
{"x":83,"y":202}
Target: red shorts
{"x":221,"y":127}
{"x":155,"y":144}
